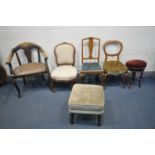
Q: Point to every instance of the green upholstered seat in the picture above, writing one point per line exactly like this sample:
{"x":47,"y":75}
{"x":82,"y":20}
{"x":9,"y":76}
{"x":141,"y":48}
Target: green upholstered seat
{"x":86,"y":99}
{"x":114,"y":67}
{"x":91,"y":66}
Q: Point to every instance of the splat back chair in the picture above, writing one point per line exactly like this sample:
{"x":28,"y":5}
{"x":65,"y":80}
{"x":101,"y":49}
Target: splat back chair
{"x":113,"y":49}
{"x":91,"y":57}
{"x":27,"y":68}
{"x":65,"y":60}
{"x":90,"y":50}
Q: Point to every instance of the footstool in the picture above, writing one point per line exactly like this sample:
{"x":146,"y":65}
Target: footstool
{"x":86,"y":99}
{"x":134,"y":66}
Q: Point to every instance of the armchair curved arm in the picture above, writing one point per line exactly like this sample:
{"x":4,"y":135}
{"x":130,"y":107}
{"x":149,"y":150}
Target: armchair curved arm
{"x":8,"y":62}
{"x":44,"y":53}
{"x":9,"y":58}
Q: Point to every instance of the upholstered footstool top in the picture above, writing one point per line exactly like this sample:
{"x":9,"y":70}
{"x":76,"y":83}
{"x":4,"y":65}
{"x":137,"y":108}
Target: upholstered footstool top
{"x":86,"y":99}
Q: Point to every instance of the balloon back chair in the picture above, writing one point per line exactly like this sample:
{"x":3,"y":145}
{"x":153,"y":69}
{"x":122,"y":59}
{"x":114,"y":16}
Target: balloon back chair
{"x":27,"y":66}
{"x":112,"y":64}
{"x":65,"y":60}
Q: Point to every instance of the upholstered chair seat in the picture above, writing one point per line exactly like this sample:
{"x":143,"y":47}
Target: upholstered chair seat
{"x":31,"y":59}
{"x":114,"y":67}
{"x":29,"y":69}
{"x":64,"y":73}
{"x":65,"y":70}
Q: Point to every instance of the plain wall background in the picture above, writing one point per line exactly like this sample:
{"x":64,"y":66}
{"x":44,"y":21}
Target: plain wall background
{"x":139,"y":42}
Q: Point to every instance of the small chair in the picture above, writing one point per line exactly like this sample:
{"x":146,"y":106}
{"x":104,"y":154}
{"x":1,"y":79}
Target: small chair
{"x":114,"y":67}
{"x":91,"y":58}
{"x":134,"y":66}
{"x":65,"y":59}
{"x":27,"y":67}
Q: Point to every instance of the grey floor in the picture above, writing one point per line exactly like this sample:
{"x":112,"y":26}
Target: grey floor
{"x":39,"y":108}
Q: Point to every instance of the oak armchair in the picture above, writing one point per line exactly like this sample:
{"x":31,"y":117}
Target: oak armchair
{"x":29,"y":66}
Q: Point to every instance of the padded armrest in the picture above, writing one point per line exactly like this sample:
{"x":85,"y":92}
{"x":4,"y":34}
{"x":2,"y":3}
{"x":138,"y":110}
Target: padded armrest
{"x":44,"y":53}
{"x":9,"y":58}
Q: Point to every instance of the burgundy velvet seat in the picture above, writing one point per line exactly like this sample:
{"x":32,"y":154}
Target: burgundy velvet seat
{"x":139,"y":64}
{"x":136,"y":65}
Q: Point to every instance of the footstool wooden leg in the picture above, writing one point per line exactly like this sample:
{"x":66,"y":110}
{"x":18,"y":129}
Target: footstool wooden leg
{"x":99,"y":120}
{"x":72,"y":115}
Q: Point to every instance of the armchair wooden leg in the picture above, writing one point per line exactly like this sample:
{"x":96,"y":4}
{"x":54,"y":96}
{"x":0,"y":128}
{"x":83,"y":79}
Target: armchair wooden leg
{"x":24,"y":80}
{"x":72,"y":115}
{"x":99,"y":120}
{"x":49,"y":78}
{"x":16,"y":86}
{"x":43,"y":77}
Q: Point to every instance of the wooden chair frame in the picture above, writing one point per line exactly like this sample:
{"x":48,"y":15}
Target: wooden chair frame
{"x":91,"y":46}
{"x":27,"y":48}
{"x":117,"y":54}
{"x":112,"y":55}
{"x":90,"y":57}
{"x":53,"y":81}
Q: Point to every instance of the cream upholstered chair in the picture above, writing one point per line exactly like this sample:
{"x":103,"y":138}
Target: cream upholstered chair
{"x":27,"y":66}
{"x":65,"y":60}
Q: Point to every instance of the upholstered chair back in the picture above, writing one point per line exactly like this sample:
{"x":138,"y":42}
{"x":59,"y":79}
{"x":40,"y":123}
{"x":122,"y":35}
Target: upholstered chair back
{"x":65,"y":54}
{"x":112,"y":49}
